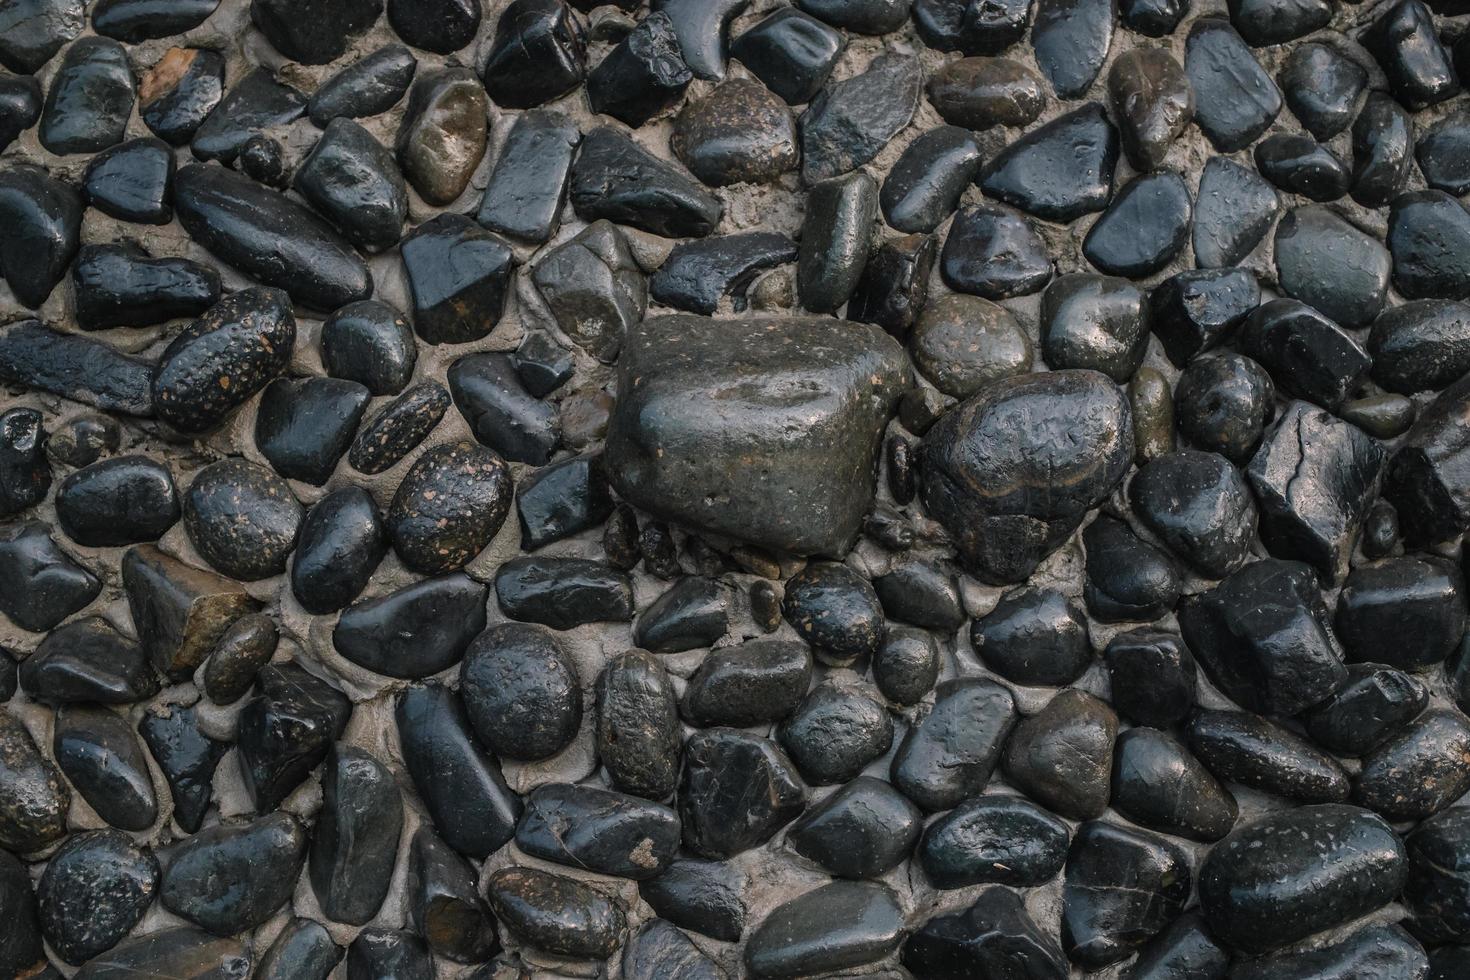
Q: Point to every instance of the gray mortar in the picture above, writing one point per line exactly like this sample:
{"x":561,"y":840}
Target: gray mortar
{"x":774,"y":873}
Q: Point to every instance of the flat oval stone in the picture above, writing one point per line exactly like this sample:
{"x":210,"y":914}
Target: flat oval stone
{"x":256,"y":103}
{"x":1059,"y":171}
{"x":836,"y":731}
{"x":415,"y":631}
{"x":759,"y":681}
{"x":269,"y":237}
{"x":1143,"y":229}
{"x":791,"y":52}
{"x":449,"y":507}
{"x":354,"y":844}
{"x":187,"y":757}
{"x":661,"y":950}
{"x":181,"y":951}
{"x":134,"y":21}
{"x":838,"y":925}
{"x":637,"y":725}
{"x":1072,"y":38}
{"x":368,"y":86}
{"x":399,"y":429}
{"x":230,"y":878}
{"x":1093,"y":322}
{"x":994,"y":839}
{"x":1300,"y":165}
{"x":701,"y":896}
{"x":342,"y":540}
{"x":314,"y":34}
{"x":598,"y":830}
{"x":1418,"y":771}
{"x":1383,"y":148}
{"x":120,"y":286}
{"x":993,"y":253}
{"x":1292,"y":873}
{"x":1199,"y":506}
{"x":849,"y":122}
{"x":992,"y":935}
{"x":1425,"y":231}
{"x":926,"y":181}
{"x":1326,"y":262}
{"x":44,"y":216}
{"x":561,"y":500}
{"x":246,"y":647}
{"x":941,"y":761}
{"x":1122,"y":887}
{"x":736,"y":790}
{"x":1420,"y":345}
{"x":1184,"y":948}
{"x":40,"y":585}
{"x":1158,"y":784}
{"x":1407,"y":612}
{"x":461,"y":785}
{"x":242,"y":519}
{"x":94,"y":890}
{"x":556,"y":914}
{"x":88,"y":660}
{"x":1233,"y":211}
{"x":981,"y":93}
{"x":1235,"y":100}
{"x":370,"y":343}
{"x":117,"y":501}
{"x":445,"y":128}
{"x":1004,"y":529}
{"x":1253,"y":752}
{"x":521,"y":692}
{"x":34,"y":799}
{"x":179,"y":92}
{"x":89,"y":99}
{"x":440,"y":26}
{"x":563,"y":592}
{"x":1153,"y":676}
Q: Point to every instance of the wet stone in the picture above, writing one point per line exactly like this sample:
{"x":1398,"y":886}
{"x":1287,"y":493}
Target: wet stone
{"x":598,"y":830}
{"x":315,"y":33}
{"x":836,"y":731}
{"x":926,"y":182}
{"x":449,"y":507}
{"x":969,"y":27}
{"x":180,"y":612}
{"x":1233,"y":211}
{"x":521,"y":692}
{"x":894,"y":288}
{"x":1424,"y":480}
{"x":1253,"y":752}
{"x":1409,"y":51}
{"x":25,"y":473}
{"x":1235,"y":99}
{"x":459,"y":275}
{"x":701,"y":896}
{"x":445,"y":128}
{"x":1381,"y":526}
{"x":1292,"y":873}
{"x":1266,"y":22}
{"x":187,"y":758}
{"x":87,"y":660}
{"x":835,"y":610}
{"x":1436,"y":883}
{"x":637,"y":725}
{"x":1060,"y":170}
{"x":596,"y":291}
{"x":942,"y":761}
{"x":863,"y":830}
{"x":615,"y":178}
{"x":698,"y":273}
{"x":1375,"y":703}
{"x":1307,"y":354}
{"x":563,"y":499}
{"x":992,"y":253}
{"x":542,"y":364}
{"x":242,"y":519}
{"x":355,"y":841}
{"x":1072,"y":38}
{"x":693,"y":613}
{"x":1034,"y":636}
{"x":286,"y":730}
{"x":269,"y":237}
{"x":368,"y":86}
{"x":1300,"y":165}
{"x":923,"y":594}
{"x":44,"y":216}
{"x":1122,"y":887}
{"x":40,"y":584}
{"x":1322,"y":85}
{"x":563,"y":593}
{"x":643,"y":75}
{"x":1427,"y":231}
{"x":303,"y":427}
{"x":95,"y":888}
{"x":227,"y":879}
{"x":738,"y":133}
{"x":850,"y":121}
{"x":1326,"y":262}
{"x":1418,"y":771}
{"x":22,"y":949}
{"x":1381,"y":950}
{"x":380,"y":953}
{"x":661,"y":950}
{"x":992,"y":935}
{"x":981,"y":93}
{"x":1128,"y":579}
{"x":83,"y":439}
{"x":1383,"y":147}
{"x":139,"y":20}
{"x":736,"y":790}
{"x":860,"y":16}
{"x":459,"y":783}
{"x":1224,"y":402}
{"x":89,"y":99}
{"x":303,"y":950}
{"x":1199,"y":506}
{"x":179,"y":92}
{"x":1420,"y":345}
{"x":120,"y":286}
{"x":538,"y":54}
{"x":32,"y":31}
{"x":1440,"y":153}
{"x":445,"y":904}
{"x":440,"y":26}
{"x":702,"y":27}
{"x":398,"y":428}
{"x":836,"y":239}
{"x":528,"y":186}
{"x":1152,"y":405}
{"x":1406,"y":612}
{"x":1275,"y":657}
{"x":757,"y":682}
{"x":181,"y":951}
{"x":556,"y":914}
{"x":246,"y":647}
{"x":1313,"y":479}
{"x":20,"y":107}
{"x":1197,"y":310}
{"x":416,"y":631}
{"x":370,"y":343}
{"x":1152,"y":677}
{"x":791,"y":52}
{"x":133,"y":181}
{"x":1094,"y":322}
{"x":1154,"y":102}
{"x":33,"y":797}
{"x":994,"y":839}
{"x":840,"y":924}
{"x":1158,"y":784}
{"x":256,"y":103}
{"x":351,"y":180}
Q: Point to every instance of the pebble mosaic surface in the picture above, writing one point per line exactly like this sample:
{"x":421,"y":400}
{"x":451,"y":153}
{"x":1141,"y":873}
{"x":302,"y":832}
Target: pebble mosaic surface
{"x":707,"y":489}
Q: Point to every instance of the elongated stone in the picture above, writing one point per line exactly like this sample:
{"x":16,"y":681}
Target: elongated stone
{"x":226,"y":879}
{"x":354,"y":844}
{"x":33,"y":796}
{"x":187,"y":757}
{"x":598,"y":830}
{"x":97,"y":750}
